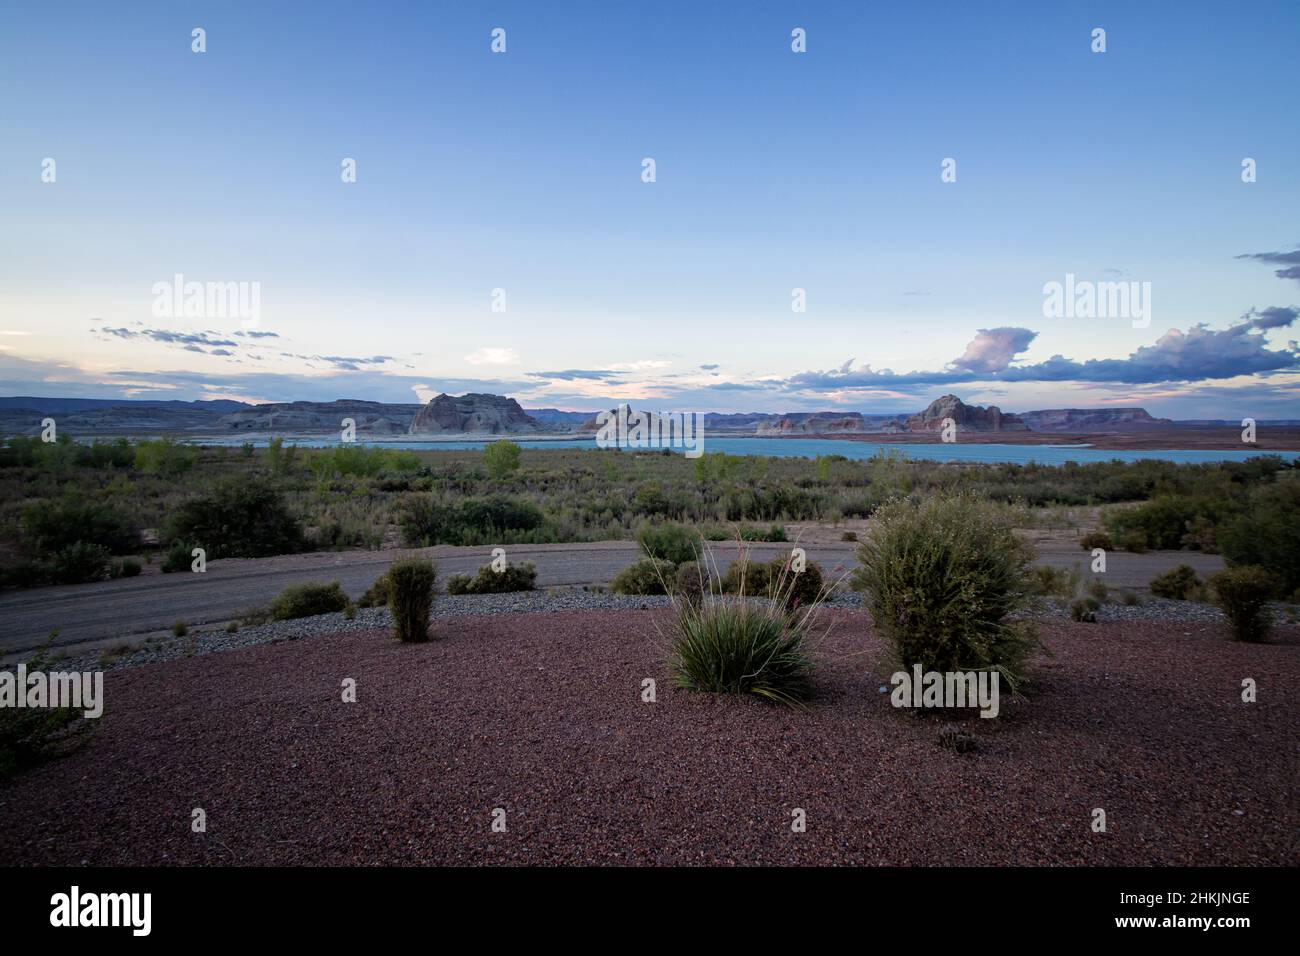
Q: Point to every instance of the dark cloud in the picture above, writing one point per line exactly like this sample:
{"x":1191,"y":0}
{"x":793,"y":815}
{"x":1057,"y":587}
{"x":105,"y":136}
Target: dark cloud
{"x":168,"y":337}
{"x":710,"y":368}
{"x":258,"y":335}
{"x":1289,"y":261}
{"x":575,"y":374}
{"x":1199,"y":354}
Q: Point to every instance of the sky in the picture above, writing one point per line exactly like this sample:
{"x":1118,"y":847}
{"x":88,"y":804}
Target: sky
{"x":500,"y":235}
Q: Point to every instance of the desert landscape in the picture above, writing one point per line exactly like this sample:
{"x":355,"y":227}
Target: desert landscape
{"x":849,"y":447}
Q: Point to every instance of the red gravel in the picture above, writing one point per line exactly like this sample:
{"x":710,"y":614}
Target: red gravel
{"x":541,"y":715}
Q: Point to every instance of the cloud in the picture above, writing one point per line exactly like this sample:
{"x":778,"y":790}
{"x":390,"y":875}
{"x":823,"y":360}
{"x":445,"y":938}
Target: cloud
{"x":579,"y":374}
{"x":168,"y":337}
{"x":492,"y":355}
{"x":1289,"y":261}
{"x":258,"y":335}
{"x":1199,"y":354}
{"x":1274,"y":317}
{"x":992,"y":350}
{"x":710,"y":368}
{"x":350,"y":364}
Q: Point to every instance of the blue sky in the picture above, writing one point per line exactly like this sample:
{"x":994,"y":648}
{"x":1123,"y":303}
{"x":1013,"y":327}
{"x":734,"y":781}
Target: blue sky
{"x":775,"y":170}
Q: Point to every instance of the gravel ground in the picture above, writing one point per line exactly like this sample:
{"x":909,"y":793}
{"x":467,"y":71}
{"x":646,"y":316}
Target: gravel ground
{"x":541,"y":715}
{"x":206,"y":640}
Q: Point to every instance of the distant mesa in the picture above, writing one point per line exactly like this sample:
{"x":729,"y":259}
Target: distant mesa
{"x":372,"y":418}
{"x":476,"y":413}
{"x":968,"y":417}
{"x":1093,"y":419}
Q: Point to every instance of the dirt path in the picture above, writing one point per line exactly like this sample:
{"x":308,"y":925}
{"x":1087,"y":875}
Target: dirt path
{"x":86,"y":614}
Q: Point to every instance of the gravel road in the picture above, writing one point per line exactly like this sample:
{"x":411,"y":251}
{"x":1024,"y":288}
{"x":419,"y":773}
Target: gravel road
{"x":540,"y":717}
{"x":105,"y":613}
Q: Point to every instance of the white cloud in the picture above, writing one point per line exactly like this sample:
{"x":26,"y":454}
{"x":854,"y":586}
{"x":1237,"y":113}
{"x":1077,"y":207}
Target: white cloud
{"x":492,"y":355}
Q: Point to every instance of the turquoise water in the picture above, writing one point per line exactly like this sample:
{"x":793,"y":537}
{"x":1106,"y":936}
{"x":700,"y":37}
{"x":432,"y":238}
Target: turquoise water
{"x":857,"y":450}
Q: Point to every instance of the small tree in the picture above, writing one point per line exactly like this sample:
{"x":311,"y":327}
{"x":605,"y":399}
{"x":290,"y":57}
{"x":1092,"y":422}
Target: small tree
{"x":1243,"y":593}
{"x":501,"y":458}
{"x":410,"y":596}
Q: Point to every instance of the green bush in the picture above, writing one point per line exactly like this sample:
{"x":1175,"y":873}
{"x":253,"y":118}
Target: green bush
{"x":739,"y":647}
{"x":80,"y":563}
{"x":1085,"y":609}
{"x":501,"y":458}
{"x":691,"y":584}
{"x":178,"y":557}
{"x":1181,"y":584}
{"x":240,"y":518}
{"x":180,"y":628}
{"x":749,"y":578}
{"x":51,"y":526}
{"x":1266,"y":532}
{"x":164,"y":456}
{"x":670,"y":542}
{"x":126,"y":568}
{"x":377,"y":594}
{"x":426,"y":520}
{"x":943,"y":578}
{"x":1096,"y":539}
{"x":30,"y":735}
{"x":308,"y":600}
{"x":1242,"y":593}
{"x":514,"y":577}
{"x":647,"y":576}
{"x":410,"y":597}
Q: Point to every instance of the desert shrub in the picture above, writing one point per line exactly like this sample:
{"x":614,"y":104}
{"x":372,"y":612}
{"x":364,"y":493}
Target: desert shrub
{"x":180,"y":628}
{"x":513,"y":577}
{"x":1046,"y":580}
{"x":52,"y":525}
{"x":377,"y":594}
{"x":806,"y":588}
{"x":178,"y":557}
{"x":426,"y":520}
{"x":1167,"y":522}
{"x":1132,"y":599}
{"x":690,"y":584}
{"x":749,"y":578}
{"x":1084,"y":609}
{"x":30,"y":735}
{"x":1096,"y":539}
{"x":410,"y":597}
{"x":955,"y":737}
{"x":1098,"y":590}
{"x":774,"y":532}
{"x":126,"y":568}
{"x":1133,"y":541}
{"x":739,"y":647}
{"x":501,"y":458}
{"x":1181,"y":584}
{"x":942,"y":578}
{"x":240,"y":518}
{"x":647,"y":576}
{"x":308,"y":600}
{"x":25,"y":574}
{"x":670,"y":542}
{"x":849,"y":536}
{"x":163,"y":456}
{"x":80,"y":563}
{"x":1266,"y":532}
{"x":1242,"y":594}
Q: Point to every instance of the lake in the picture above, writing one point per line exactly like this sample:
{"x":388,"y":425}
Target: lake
{"x":856,"y":450}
